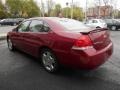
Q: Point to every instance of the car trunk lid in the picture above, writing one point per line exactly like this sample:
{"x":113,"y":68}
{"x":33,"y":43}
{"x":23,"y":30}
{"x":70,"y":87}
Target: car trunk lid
{"x":100,"y":38}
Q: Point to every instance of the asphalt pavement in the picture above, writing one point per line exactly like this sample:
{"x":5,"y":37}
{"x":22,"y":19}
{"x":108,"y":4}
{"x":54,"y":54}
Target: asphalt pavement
{"x":19,"y":71}
{"x":5,"y":29}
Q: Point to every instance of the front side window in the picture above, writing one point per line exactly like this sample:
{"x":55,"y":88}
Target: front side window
{"x":36,"y":26}
{"x":24,"y":26}
{"x":6,"y":20}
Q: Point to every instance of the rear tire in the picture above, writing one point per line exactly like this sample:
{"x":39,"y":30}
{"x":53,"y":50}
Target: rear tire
{"x":113,"y":28}
{"x":49,"y":61}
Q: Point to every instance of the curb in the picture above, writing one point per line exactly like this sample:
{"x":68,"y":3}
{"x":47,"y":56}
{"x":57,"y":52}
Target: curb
{"x":3,"y":36}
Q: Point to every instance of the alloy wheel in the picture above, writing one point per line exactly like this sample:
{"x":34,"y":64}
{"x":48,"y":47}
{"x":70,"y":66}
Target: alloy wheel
{"x":49,"y":61}
{"x":10,"y":45}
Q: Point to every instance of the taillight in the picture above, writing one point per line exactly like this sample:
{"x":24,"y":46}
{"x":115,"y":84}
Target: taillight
{"x":84,"y":42}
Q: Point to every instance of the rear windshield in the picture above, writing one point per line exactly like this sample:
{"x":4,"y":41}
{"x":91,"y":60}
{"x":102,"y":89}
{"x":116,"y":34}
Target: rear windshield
{"x":116,"y":21}
{"x":71,"y":24}
{"x":109,"y":21}
{"x":102,"y":21}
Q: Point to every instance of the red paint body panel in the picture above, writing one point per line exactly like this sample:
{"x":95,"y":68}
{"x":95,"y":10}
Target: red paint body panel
{"x":61,"y":43}
{"x":89,"y":59}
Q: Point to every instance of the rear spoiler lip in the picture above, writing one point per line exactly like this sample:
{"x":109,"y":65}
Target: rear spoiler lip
{"x":95,"y":30}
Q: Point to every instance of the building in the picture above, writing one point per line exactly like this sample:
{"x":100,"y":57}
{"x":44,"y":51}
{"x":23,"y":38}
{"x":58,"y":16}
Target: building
{"x":100,"y":12}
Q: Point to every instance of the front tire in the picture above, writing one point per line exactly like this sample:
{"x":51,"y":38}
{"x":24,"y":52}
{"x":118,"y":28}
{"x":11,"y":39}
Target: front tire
{"x":49,"y":61}
{"x":10,"y":44}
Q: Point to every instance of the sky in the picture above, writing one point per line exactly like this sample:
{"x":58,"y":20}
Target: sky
{"x":81,"y":3}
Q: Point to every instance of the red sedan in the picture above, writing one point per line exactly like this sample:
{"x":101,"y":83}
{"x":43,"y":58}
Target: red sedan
{"x":61,"y":41}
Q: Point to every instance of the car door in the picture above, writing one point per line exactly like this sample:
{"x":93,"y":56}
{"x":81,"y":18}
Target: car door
{"x":37,"y":37}
{"x":31,"y":39}
{"x":17,"y":35}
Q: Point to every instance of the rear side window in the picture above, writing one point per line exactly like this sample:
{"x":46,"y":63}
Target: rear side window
{"x":89,"y":21}
{"x":102,"y":21}
{"x":115,"y":21}
{"x":36,"y":26}
{"x":46,"y":27}
{"x":108,"y":20}
{"x":71,"y":24}
{"x":94,"y":21}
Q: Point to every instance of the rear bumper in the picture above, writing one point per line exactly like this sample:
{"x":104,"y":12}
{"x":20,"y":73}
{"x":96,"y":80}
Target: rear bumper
{"x":86,"y":59}
{"x":91,"y":59}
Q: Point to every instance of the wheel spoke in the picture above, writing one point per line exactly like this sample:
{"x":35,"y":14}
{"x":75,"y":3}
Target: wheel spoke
{"x":9,"y":44}
{"x":52,"y":60}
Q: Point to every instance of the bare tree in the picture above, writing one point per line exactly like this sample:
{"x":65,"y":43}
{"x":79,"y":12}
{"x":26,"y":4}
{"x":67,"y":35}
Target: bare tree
{"x":72,"y":9}
{"x":42,"y":8}
{"x":98,"y":5}
{"x":106,"y":2}
{"x":50,"y":5}
{"x":113,"y":4}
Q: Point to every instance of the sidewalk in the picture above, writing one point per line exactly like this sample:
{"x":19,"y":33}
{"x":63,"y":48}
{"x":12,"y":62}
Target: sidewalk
{"x":3,"y":36}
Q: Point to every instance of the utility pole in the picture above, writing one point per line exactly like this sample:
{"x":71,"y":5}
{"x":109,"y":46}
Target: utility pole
{"x":99,"y":7}
{"x":72,"y":9}
{"x":86,"y":11}
{"x":67,"y":9}
{"x":42,"y":8}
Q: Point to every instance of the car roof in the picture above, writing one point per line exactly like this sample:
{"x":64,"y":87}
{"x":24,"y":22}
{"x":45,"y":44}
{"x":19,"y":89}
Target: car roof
{"x":37,"y":18}
{"x":96,"y":19}
{"x":49,"y":18}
